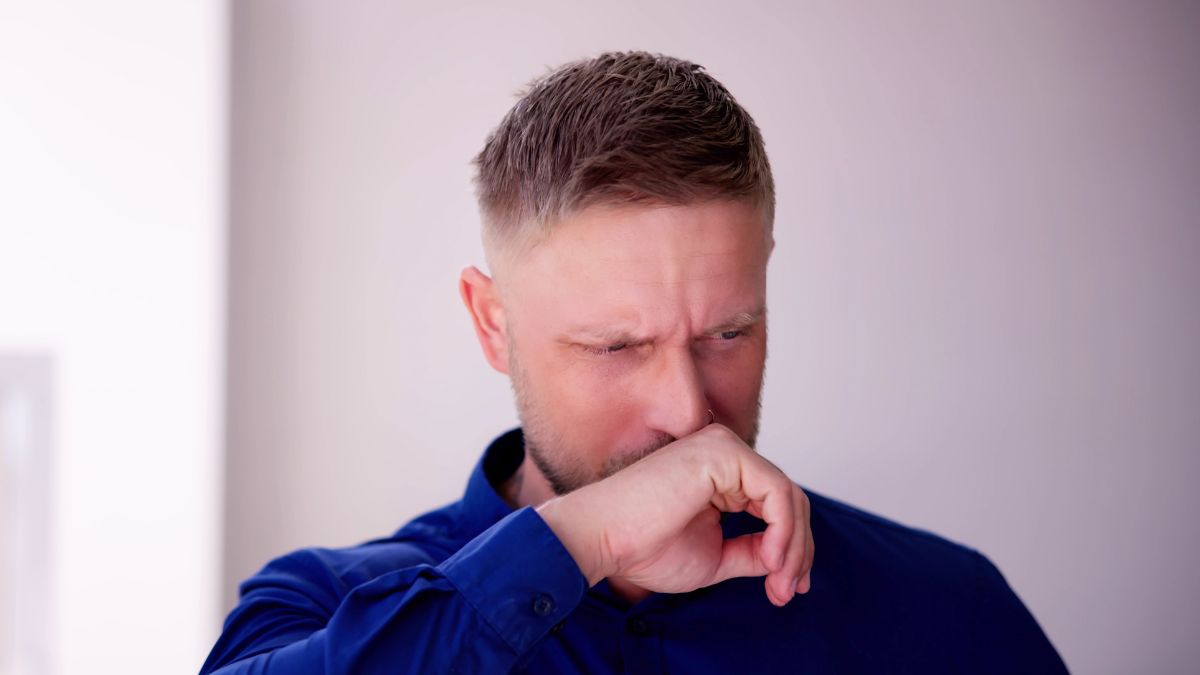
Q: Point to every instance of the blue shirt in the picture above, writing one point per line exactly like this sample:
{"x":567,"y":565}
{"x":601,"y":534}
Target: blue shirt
{"x":476,"y":587}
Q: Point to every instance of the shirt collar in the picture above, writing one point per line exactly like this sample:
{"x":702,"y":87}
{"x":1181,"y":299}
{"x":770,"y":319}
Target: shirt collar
{"x":481,"y":503}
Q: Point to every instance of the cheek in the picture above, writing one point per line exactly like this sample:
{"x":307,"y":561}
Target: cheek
{"x":732,"y":382}
{"x":588,"y":407}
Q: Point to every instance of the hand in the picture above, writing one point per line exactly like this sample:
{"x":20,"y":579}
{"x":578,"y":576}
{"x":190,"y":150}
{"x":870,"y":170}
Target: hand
{"x":657,"y":524}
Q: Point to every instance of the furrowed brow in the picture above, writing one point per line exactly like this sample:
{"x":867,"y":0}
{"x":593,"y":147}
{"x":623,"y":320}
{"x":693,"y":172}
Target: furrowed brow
{"x":619,"y":335}
{"x":600,"y":335}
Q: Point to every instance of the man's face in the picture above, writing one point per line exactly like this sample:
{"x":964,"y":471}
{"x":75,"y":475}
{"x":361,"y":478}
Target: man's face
{"x":627,"y":324}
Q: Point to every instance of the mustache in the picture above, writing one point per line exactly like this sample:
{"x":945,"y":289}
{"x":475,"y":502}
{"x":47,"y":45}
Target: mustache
{"x":626,"y":459}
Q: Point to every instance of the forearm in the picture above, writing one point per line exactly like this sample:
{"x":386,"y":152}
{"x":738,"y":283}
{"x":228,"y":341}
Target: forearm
{"x":490,"y":603}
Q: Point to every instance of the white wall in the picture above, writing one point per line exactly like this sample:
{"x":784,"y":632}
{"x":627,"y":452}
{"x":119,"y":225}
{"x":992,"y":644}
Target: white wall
{"x":983,"y":300}
{"x":111,"y":267}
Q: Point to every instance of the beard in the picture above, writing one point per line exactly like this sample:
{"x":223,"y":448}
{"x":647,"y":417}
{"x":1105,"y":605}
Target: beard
{"x":549,"y":451}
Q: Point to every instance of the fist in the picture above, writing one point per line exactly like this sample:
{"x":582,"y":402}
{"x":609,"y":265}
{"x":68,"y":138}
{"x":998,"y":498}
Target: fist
{"x":656,"y":524}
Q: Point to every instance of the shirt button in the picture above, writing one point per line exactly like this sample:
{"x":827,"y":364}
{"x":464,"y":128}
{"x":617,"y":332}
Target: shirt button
{"x":637,"y":626}
{"x":543,"y":605}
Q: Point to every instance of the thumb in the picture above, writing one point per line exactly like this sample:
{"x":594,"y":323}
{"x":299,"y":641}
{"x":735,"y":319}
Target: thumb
{"x":741,"y":557}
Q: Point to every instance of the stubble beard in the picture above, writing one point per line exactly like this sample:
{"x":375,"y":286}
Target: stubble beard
{"x":548,"y":449}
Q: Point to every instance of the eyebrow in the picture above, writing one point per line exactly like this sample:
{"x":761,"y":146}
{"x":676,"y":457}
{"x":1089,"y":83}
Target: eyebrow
{"x":600,"y":334}
{"x":739,"y":321}
{"x":620,"y":335}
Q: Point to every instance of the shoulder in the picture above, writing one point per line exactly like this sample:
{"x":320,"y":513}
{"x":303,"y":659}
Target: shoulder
{"x":876,"y":547}
{"x":942,"y":597}
{"x":889,"y":531}
{"x":906,"y":576}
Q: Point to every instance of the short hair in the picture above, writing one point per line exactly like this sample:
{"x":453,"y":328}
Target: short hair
{"x":619,"y":128}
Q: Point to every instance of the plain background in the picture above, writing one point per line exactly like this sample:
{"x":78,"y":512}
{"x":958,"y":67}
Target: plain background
{"x":234,"y":231}
{"x":112,"y":248}
{"x":984,"y":316}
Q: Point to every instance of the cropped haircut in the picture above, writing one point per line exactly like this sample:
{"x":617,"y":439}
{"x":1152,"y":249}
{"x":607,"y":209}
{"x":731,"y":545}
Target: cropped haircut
{"x":619,"y":128}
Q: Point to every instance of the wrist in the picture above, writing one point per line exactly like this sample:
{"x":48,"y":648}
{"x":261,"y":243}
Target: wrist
{"x":575,"y":536}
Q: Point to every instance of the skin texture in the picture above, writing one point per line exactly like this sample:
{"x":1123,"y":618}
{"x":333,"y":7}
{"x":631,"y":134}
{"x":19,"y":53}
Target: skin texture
{"x":621,"y":330}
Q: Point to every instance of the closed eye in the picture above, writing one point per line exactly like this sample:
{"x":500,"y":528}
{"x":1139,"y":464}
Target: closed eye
{"x":606,"y":350}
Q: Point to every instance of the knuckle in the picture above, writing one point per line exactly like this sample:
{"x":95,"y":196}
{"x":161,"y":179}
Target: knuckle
{"x":719,"y":432}
{"x":785,"y":486}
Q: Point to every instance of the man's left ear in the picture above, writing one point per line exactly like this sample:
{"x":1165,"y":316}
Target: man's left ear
{"x":479,"y":294}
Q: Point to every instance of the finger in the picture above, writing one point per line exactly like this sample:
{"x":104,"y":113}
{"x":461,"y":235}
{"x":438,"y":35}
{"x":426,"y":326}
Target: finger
{"x":810,"y":551}
{"x":772,"y":490}
{"x":787,"y":578}
{"x":805,"y":584}
{"x":741,"y":557}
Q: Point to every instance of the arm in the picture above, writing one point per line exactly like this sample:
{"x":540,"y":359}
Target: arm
{"x":478,"y":611}
{"x":654,"y":524}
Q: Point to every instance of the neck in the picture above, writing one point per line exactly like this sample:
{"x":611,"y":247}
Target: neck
{"x":526,"y":486}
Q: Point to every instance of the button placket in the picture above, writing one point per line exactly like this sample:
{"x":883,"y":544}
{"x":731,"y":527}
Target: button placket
{"x":641,"y":648}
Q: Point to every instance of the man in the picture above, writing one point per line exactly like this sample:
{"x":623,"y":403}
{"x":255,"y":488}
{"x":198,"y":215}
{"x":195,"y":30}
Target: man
{"x":629,"y":524}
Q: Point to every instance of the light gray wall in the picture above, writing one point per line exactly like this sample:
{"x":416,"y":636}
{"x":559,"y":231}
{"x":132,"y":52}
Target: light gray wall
{"x":112,"y":284}
{"x":984,"y":305}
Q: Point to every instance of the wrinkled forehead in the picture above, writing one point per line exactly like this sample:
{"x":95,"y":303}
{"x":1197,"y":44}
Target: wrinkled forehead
{"x":645,"y":264}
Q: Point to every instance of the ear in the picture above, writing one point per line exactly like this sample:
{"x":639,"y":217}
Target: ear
{"x":483,"y":304}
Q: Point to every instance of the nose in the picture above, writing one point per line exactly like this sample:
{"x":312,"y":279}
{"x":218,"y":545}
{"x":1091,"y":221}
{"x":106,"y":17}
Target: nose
{"x":674,"y":394}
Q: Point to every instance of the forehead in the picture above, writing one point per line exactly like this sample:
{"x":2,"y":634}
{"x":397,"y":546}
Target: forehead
{"x":642,"y":264}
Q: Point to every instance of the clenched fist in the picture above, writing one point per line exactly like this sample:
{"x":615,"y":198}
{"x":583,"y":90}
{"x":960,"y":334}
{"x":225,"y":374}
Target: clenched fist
{"x":656,"y":524}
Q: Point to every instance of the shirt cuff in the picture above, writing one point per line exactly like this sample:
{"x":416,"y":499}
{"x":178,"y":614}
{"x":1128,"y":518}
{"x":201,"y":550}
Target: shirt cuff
{"x":518,"y":577}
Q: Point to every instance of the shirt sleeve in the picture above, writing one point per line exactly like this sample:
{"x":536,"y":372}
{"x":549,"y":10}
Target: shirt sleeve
{"x":1006,"y":638}
{"x":480,"y":610}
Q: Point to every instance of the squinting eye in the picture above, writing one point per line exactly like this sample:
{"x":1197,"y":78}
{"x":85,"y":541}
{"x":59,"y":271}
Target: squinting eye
{"x":604,"y":351}
{"x":730,"y":334}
